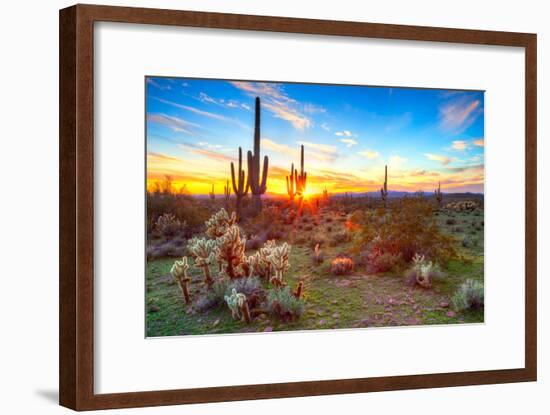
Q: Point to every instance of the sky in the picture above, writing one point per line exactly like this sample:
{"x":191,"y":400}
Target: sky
{"x":349,"y":133}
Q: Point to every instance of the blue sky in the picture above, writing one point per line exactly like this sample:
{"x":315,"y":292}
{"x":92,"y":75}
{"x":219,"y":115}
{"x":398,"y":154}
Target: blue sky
{"x":425,"y":136}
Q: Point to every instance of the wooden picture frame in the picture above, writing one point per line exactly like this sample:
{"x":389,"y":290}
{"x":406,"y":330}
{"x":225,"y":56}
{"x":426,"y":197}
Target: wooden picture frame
{"x":76,"y":305}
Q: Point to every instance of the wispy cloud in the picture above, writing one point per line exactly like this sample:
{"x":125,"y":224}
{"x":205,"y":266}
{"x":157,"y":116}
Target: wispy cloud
{"x":349,"y":142}
{"x":221,"y":102}
{"x":345,"y":133}
{"x":202,"y":113}
{"x":325,"y":126}
{"x":213,"y":155}
{"x":480,"y":142}
{"x":370,"y":154}
{"x":458,"y":114}
{"x":321,"y":152}
{"x":158,"y":85}
{"x":444,"y":160}
{"x":275,"y":100}
{"x":459,"y":145}
{"x":174,"y":123}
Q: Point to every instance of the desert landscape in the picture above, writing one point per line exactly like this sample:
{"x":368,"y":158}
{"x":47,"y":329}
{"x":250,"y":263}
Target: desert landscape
{"x":248,"y":251}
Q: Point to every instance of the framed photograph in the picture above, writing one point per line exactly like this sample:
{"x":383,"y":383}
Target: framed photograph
{"x":258,"y":207}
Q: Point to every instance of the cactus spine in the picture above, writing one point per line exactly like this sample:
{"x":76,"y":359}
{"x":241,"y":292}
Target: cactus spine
{"x":240,"y":188}
{"x":290,"y":183}
{"x":257,"y":187}
{"x":438,"y":195}
{"x":384,"y":190}
{"x":301,"y":179}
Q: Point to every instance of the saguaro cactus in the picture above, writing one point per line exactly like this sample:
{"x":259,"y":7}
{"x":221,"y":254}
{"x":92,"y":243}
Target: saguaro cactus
{"x":384,"y":190}
{"x":257,"y":187}
{"x":290,"y":183}
{"x":227,"y":195}
{"x":212,"y":194}
{"x":240,"y":185}
{"x":301,"y":179}
{"x":438,"y":195}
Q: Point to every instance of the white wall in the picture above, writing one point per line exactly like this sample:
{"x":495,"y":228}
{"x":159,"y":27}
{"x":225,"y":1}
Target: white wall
{"x":28,"y":212}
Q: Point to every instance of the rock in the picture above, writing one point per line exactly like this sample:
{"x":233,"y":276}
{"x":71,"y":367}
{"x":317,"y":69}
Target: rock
{"x":321,"y":322}
{"x":334,"y":302}
{"x":215,"y":323}
{"x":154,"y":308}
{"x":444,"y":304}
{"x":365,"y":322}
{"x":451,"y":314}
{"x":268,"y":329}
{"x":336,"y":315}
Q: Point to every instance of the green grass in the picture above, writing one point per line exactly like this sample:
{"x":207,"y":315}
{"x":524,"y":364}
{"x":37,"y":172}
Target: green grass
{"x":357,"y":300}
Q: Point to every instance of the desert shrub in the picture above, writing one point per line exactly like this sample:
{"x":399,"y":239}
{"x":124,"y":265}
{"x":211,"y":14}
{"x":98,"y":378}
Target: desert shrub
{"x":166,"y":249}
{"x":284,"y":305}
{"x":341,"y":265}
{"x":254,"y":243}
{"x":408,"y":228}
{"x":247,"y":286}
{"x":340,"y":237}
{"x":469,"y":296}
{"x":383,"y":262}
{"x":308,"y":228}
{"x":422,"y":272}
{"x":450,"y":221}
{"x":329,"y":229}
{"x":318,"y":239}
{"x":213,"y":297}
{"x":168,"y":225}
{"x":329,"y":219}
{"x":183,"y":206}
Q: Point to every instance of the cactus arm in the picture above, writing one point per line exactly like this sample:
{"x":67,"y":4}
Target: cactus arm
{"x":264,"y":175}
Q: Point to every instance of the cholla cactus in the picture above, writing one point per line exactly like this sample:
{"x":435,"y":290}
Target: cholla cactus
{"x":279,"y":261}
{"x":168,"y":225}
{"x":204,"y":252}
{"x":218,"y":224}
{"x":261,"y":266}
{"x":422,"y":271}
{"x":179,"y":273}
{"x":238,"y":305}
{"x":230,"y":253}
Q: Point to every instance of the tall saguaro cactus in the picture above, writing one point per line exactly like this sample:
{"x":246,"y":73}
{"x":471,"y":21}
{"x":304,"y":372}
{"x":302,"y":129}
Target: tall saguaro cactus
{"x":301,"y":179}
{"x":384,"y":190}
{"x":240,"y":184}
{"x":290,"y":183}
{"x":438,"y":195}
{"x":227,"y":194}
{"x":257,"y":186}
{"x":212,"y":194}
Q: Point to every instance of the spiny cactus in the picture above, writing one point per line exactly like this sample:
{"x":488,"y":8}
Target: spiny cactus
{"x":212,"y":194}
{"x":238,"y":305}
{"x":299,"y":290}
{"x":179,"y":273}
{"x":240,"y":185}
{"x":219,"y":222}
{"x":230,"y":253}
{"x":384,"y":189}
{"x":290,"y":183}
{"x":301,"y":179}
{"x":279,"y":260}
{"x":204,"y":252}
{"x":261,"y":266}
{"x":227,"y":194}
{"x":438,"y":195}
{"x":257,"y":187}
